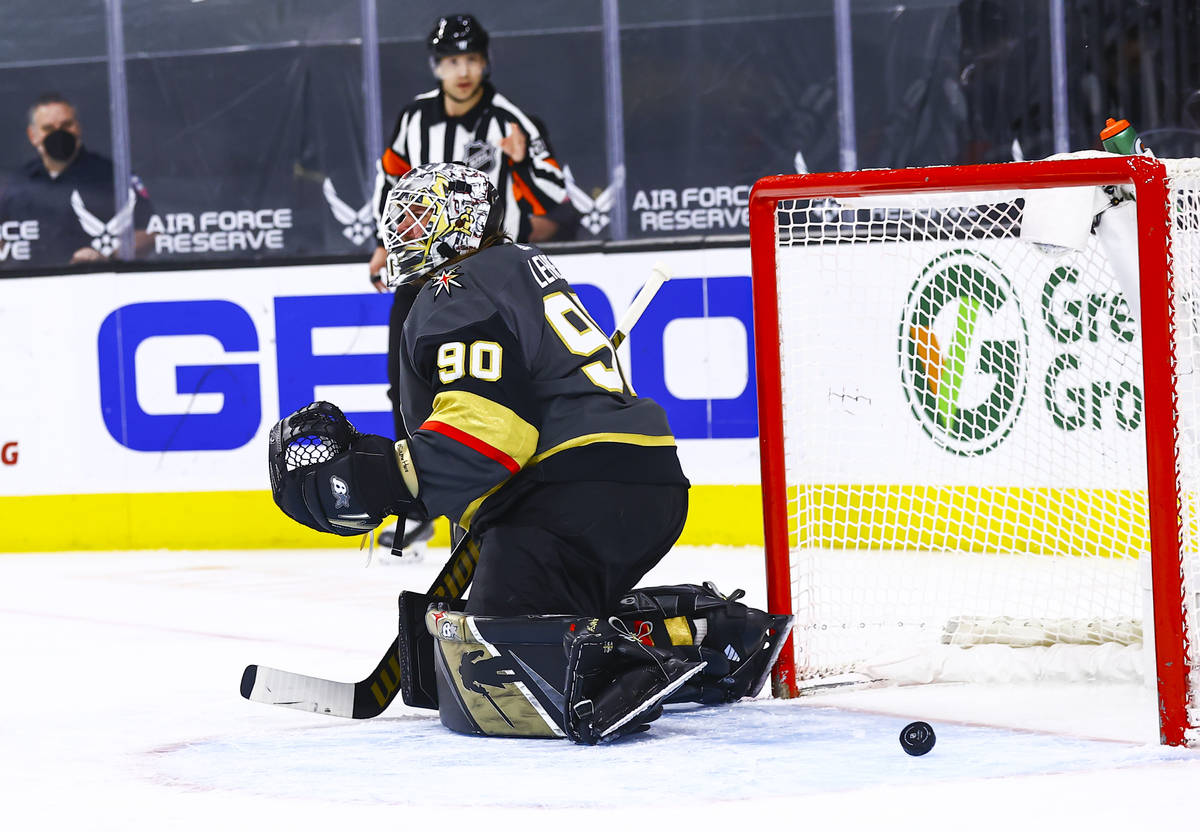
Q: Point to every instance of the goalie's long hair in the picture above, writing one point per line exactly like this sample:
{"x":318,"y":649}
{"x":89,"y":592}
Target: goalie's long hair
{"x":500,"y":238}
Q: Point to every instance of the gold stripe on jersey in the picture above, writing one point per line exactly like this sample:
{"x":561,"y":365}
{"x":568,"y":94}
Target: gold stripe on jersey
{"x":488,"y":422}
{"x":469,"y":512}
{"x":620,"y":438}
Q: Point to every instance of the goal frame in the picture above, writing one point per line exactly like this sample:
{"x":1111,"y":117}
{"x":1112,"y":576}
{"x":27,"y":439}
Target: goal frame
{"x":1149,"y":180}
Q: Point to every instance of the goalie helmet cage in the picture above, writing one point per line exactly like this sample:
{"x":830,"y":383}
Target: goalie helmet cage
{"x":1012,"y":476}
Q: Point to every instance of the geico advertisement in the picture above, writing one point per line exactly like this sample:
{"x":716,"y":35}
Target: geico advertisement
{"x":981,"y":362}
{"x":171,"y":381}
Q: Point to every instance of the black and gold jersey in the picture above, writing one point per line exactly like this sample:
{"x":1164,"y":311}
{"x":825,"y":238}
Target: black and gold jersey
{"x":507,"y":381}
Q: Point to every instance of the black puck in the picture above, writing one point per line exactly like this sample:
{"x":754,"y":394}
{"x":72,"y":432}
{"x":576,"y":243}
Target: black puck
{"x":917,"y":738}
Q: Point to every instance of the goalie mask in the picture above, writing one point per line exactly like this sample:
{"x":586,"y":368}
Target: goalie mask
{"x":433,"y":214}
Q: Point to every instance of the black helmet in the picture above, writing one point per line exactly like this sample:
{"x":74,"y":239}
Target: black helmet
{"x":455,"y":34}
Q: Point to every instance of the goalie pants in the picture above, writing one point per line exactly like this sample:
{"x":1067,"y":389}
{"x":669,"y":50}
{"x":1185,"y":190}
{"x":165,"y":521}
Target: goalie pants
{"x":574,"y":548}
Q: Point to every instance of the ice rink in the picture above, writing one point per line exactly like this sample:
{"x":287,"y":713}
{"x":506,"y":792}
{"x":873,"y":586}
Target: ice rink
{"x":122,"y":712}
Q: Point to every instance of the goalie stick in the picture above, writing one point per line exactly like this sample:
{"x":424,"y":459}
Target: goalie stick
{"x":659,"y":275}
{"x":371,"y":696}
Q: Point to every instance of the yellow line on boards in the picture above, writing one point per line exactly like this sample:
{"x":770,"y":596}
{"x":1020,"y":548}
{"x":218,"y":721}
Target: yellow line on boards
{"x":719,"y":514}
{"x":1108,"y":522}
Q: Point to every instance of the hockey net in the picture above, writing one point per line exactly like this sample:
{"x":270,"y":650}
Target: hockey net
{"x":978,"y":423}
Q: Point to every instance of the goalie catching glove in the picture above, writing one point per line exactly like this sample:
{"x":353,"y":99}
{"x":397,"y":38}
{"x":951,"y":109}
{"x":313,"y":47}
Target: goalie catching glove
{"x":329,"y":477}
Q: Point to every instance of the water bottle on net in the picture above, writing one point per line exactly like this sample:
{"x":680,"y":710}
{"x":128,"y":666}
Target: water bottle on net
{"x":1118,"y":136}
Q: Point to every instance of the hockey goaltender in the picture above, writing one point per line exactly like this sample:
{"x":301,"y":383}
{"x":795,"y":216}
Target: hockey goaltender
{"x":523,"y":429}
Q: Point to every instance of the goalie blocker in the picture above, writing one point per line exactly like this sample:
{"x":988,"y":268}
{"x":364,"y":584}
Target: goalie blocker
{"x":586,"y":679}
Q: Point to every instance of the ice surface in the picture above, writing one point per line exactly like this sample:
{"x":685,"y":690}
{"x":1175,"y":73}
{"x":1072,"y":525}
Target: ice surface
{"x":121,"y":712}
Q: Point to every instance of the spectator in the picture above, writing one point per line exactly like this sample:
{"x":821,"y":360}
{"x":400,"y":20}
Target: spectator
{"x":68,"y":190}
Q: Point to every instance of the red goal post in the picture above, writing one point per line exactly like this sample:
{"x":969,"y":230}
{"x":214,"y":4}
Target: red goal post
{"x":837,"y":227}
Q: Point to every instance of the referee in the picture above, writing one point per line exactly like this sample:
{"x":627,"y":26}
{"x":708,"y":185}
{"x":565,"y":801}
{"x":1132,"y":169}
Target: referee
{"x":465,"y":119}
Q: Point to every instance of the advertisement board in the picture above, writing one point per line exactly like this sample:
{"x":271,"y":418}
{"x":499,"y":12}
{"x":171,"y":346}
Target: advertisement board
{"x":976,"y":363}
{"x":138,"y":404}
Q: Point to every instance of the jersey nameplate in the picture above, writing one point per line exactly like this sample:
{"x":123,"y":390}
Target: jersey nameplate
{"x":544,"y":272}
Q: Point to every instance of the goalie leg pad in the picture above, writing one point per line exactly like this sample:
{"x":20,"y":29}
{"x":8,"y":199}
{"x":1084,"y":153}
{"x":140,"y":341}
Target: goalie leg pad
{"x":549,"y":676}
{"x":415,"y":644}
{"x":500,"y":677}
{"x":739,"y":643}
{"x":616,"y":685}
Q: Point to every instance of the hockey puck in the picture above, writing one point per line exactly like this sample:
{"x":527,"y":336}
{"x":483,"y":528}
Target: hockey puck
{"x":917,"y":738}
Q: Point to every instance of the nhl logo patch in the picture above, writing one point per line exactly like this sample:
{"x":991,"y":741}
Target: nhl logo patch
{"x":481,"y":155}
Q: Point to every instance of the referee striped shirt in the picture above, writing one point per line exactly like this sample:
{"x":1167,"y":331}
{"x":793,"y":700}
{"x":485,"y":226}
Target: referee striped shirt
{"x":424,"y":134}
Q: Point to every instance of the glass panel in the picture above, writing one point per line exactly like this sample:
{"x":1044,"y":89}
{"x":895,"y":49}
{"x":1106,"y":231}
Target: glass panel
{"x":1135,"y":61}
{"x":46,"y":31}
{"x":155,"y":26}
{"x":236,"y":147}
{"x":910,"y":105}
{"x":1004,"y":93}
{"x":716,"y":98}
{"x":547,"y":58}
{"x":413,"y":21}
{"x":52,"y":46}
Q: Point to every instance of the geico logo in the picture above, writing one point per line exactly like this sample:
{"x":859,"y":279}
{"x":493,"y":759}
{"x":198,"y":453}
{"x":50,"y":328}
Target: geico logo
{"x":13,"y":230}
{"x":162,"y":388}
{"x":8,"y":453}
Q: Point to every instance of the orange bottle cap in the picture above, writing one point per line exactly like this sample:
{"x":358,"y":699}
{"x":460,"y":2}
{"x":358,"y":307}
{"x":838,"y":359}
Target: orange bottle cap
{"x":1112,"y":127}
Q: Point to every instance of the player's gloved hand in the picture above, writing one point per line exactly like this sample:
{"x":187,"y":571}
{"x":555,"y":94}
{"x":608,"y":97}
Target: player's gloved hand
{"x":329,"y":477}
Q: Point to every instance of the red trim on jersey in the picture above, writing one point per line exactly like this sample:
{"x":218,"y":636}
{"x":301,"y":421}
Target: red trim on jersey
{"x":474,"y":444}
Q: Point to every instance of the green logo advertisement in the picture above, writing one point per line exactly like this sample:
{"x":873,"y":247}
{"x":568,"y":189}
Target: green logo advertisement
{"x":964,"y":353}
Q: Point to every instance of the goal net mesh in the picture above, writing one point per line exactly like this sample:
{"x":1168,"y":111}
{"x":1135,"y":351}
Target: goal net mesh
{"x":964,"y":433}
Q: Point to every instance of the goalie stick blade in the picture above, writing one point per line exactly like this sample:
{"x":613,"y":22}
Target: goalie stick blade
{"x":370,"y":697}
{"x":350,"y":700}
{"x":292,"y":690}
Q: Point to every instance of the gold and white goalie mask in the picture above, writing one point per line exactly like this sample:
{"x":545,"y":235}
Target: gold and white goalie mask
{"x":434,"y":213}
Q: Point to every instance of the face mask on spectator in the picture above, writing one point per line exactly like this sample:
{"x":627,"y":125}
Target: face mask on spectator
{"x":60,"y":145}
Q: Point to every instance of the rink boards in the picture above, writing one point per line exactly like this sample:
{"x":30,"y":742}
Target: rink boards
{"x":137,"y":405}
